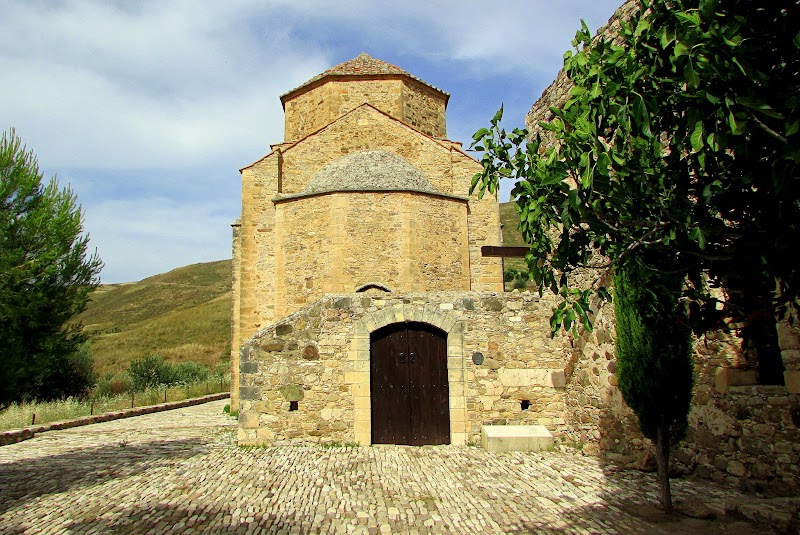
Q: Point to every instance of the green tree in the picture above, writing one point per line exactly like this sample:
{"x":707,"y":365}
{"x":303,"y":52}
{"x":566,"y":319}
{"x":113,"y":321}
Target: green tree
{"x":45,"y":279}
{"x":654,"y":358}
{"x":678,"y":140}
{"x":676,"y":155}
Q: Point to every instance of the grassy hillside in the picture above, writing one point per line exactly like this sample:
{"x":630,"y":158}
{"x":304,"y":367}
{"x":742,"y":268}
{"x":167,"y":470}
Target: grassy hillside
{"x":181,"y":315}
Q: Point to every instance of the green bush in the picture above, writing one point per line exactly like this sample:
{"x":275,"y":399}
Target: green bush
{"x":519,"y":278}
{"x":152,"y":370}
{"x":189,"y":372}
{"x":510,"y":274}
{"x":74,"y":376}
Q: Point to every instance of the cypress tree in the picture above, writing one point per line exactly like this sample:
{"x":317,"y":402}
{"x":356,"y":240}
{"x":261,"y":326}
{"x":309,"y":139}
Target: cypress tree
{"x":654,"y":358}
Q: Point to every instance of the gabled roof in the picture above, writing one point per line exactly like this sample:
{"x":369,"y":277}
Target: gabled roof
{"x":444,"y":144}
{"x":362,"y":66}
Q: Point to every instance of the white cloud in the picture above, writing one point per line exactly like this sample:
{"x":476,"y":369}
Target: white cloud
{"x":141,"y":237}
{"x":527,"y":37}
{"x":158,"y":84}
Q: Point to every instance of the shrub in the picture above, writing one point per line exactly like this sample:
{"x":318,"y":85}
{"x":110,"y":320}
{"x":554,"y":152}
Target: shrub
{"x":188,"y":372}
{"x":152,"y":370}
{"x":74,"y":377}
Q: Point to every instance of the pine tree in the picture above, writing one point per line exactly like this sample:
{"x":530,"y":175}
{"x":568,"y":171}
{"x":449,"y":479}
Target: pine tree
{"x":45,"y":279}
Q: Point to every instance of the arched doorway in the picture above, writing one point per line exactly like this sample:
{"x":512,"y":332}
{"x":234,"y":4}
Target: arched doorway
{"x":409,"y":385}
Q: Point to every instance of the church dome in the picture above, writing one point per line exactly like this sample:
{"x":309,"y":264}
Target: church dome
{"x":369,"y":170}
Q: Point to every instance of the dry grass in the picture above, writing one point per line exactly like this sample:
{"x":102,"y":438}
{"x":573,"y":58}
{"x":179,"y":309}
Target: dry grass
{"x":181,"y":315}
{"x":20,"y":415}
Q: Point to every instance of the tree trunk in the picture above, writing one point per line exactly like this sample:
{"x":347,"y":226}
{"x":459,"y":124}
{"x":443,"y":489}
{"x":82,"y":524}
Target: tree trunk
{"x":662,"y":456}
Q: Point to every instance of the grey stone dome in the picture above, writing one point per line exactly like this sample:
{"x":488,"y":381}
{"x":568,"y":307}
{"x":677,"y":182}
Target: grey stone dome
{"x":369,"y":170}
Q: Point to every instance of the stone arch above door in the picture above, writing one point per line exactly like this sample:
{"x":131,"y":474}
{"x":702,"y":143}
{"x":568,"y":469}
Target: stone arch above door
{"x":359,"y":355}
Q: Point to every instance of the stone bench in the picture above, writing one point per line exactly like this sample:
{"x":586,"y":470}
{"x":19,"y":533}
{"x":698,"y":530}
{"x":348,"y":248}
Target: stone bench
{"x":515,"y":438}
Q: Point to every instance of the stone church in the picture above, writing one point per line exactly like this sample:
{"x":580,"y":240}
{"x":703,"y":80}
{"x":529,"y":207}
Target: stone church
{"x":369,"y":307}
{"x":363,"y":305}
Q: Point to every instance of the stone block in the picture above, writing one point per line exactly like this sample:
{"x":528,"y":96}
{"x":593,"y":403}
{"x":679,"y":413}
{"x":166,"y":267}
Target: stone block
{"x":248,"y":367}
{"x":724,"y":378}
{"x":341,"y":302}
{"x":515,"y":438}
{"x":310,"y":352}
{"x":792,"y":381}
{"x":360,"y":389}
{"x":520,"y":377}
{"x":399,"y":313}
{"x":250,"y":393}
{"x":292,"y":392}
{"x":557,"y":378}
{"x":265,"y":436}
{"x":248,"y":420}
{"x":736,"y":468}
{"x":362,"y":402}
{"x":283,"y":329}
{"x":356,"y":377}
{"x":492,"y":304}
{"x":272,"y":345}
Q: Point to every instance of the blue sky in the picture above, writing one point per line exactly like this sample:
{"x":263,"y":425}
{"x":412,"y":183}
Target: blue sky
{"x":147,"y":109}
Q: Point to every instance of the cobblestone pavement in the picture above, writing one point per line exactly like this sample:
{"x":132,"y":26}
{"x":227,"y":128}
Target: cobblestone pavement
{"x":180,"y":471}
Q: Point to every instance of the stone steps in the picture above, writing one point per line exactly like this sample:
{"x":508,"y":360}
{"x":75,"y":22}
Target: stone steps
{"x":515,"y":438}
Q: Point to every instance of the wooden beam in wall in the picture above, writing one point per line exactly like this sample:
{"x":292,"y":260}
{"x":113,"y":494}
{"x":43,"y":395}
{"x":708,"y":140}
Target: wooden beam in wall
{"x":503,"y":252}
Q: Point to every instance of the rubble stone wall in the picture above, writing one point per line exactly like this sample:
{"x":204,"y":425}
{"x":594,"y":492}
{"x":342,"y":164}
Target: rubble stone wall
{"x":503,"y":366}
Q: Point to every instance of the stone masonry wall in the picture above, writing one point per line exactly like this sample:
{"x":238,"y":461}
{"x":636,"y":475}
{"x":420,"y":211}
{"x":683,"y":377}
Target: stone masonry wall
{"x":366,"y":128}
{"x":262,"y":266}
{"x":424,"y":109}
{"x":409,"y":242}
{"x":739,"y":433}
{"x":406,"y":100}
{"x":499,"y":354}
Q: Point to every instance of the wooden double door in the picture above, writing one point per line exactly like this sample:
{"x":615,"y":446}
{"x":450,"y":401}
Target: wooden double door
{"x":409,"y":387}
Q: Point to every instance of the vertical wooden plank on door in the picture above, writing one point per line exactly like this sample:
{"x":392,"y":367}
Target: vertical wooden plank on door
{"x":389,"y":385}
{"x":430,"y":401}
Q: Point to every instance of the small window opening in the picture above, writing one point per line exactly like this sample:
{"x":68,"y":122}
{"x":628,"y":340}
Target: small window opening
{"x":525,"y":404}
{"x":292,"y":405}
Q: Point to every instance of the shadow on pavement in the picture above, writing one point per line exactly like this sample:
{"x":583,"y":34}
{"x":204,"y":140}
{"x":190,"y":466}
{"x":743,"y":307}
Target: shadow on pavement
{"x":28,"y":479}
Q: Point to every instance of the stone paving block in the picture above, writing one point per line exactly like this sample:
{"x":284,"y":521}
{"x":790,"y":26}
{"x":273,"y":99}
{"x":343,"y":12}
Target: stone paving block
{"x":181,"y":471}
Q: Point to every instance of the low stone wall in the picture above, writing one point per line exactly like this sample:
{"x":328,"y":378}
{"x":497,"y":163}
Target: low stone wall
{"x":748,"y":437}
{"x":18,"y":435}
{"x":740,"y":434}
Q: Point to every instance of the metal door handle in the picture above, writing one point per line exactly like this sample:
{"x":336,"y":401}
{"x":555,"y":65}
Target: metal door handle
{"x":402,"y":358}
{"x":411,"y":358}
